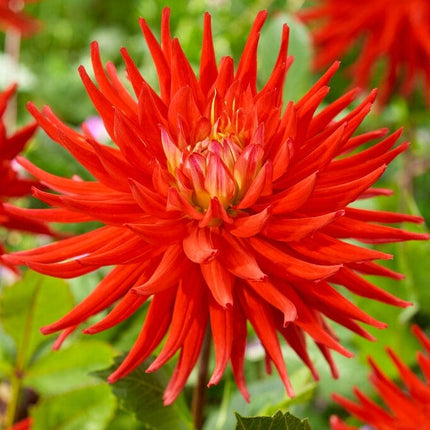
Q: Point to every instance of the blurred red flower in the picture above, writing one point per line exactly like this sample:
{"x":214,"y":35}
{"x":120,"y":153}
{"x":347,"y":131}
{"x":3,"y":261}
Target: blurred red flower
{"x":12,"y":184}
{"x":409,"y":404}
{"x":219,"y":208}
{"x":396,"y":32}
{"x":12,"y":16}
{"x":24,"y":424}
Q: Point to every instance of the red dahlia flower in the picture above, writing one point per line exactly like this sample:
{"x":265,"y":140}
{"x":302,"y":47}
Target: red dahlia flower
{"x":219,"y":208}
{"x":409,"y":405}
{"x":12,"y":16}
{"x":12,"y":185}
{"x":395,"y":31}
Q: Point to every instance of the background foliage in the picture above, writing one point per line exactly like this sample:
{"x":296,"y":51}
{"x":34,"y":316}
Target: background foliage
{"x":66,"y":389}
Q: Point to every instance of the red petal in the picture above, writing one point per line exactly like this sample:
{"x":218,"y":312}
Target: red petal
{"x":110,"y":289}
{"x":188,"y":357}
{"x":360,"y":286}
{"x":294,"y":229}
{"x":198,"y":245}
{"x":324,"y":249}
{"x":220,"y":282}
{"x":218,"y":180}
{"x":163,"y":231}
{"x":188,"y":305}
{"x":163,"y":70}
{"x":172,"y":267}
{"x":260,"y":316}
{"x":292,"y":265}
{"x":269,"y":292}
{"x":156,"y":323}
{"x":251,"y":225}
{"x":294,"y":197}
{"x":259,"y":186}
{"x":208,"y":69}
{"x":221,"y":321}
{"x":239,"y":259}
{"x":126,"y":307}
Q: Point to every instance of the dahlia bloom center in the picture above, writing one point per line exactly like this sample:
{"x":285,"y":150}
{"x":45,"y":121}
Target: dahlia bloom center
{"x":219,"y":174}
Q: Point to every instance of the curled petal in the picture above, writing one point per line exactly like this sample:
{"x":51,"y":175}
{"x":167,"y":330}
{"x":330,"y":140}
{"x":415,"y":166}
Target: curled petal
{"x":198,"y":245}
{"x":261,"y":319}
{"x":187,"y":308}
{"x":221,"y":320}
{"x":165,"y":232}
{"x":188,"y":357}
{"x":220,"y":282}
{"x":294,"y":197}
{"x":259,"y":187}
{"x":251,"y":225}
{"x":168,"y":272}
{"x":240,"y":261}
{"x":291,"y":264}
{"x":154,"y":329}
{"x":293,"y":229}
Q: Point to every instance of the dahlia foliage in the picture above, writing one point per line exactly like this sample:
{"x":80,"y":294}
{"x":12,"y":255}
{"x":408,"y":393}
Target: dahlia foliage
{"x":12,"y":16}
{"x":12,"y":184}
{"x":409,"y":404}
{"x":396,"y":32}
{"x":219,"y":207}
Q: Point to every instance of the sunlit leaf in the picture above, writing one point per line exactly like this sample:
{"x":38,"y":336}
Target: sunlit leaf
{"x":89,"y":408}
{"x":27,"y":305}
{"x":279,"y":421}
{"x":69,"y":368}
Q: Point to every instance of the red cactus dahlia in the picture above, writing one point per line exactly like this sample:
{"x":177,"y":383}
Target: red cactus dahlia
{"x":12,"y":184}
{"x":409,"y":405}
{"x":394,"y":31}
{"x":219,"y":208}
{"x":12,"y":16}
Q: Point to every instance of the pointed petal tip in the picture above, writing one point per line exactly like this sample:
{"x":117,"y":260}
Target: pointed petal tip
{"x":169,"y":398}
{"x":262,"y":15}
{"x":245,"y":394}
{"x":11,"y":259}
{"x":422,"y":236}
{"x":113,"y":377}
{"x":94,"y":45}
{"x":138,"y":291}
{"x":289,"y":389}
{"x":290,"y":316}
{"x":405,"y":304}
{"x":47,"y":329}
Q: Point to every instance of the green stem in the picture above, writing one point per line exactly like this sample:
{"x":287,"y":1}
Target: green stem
{"x":199,"y":394}
{"x":15,"y":395}
{"x":20,"y":365}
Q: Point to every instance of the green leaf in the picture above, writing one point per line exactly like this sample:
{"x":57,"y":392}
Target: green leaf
{"x":267,"y":396}
{"x":298,"y":79}
{"x":27,"y":305}
{"x":277,"y":422}
{"x":69,"y":368}
{"x":141,"y":393}
{"x":90,"y":408}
